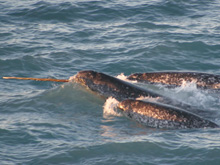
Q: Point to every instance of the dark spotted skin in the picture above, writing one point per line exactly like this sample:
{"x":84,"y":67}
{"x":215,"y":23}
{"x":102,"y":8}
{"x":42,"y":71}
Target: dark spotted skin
{"x":110,"y":86}
{"x":172,"y":79}
{"x":162,"y":116}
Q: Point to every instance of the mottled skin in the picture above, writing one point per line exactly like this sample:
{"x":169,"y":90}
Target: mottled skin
{"x":107,"y":86}
{"x":162,"y":116}
{"x":203,"y":80}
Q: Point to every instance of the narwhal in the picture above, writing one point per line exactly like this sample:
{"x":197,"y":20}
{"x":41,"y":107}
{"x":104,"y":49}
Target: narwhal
{"x":173,"y":79}
{"x":162,"y":116}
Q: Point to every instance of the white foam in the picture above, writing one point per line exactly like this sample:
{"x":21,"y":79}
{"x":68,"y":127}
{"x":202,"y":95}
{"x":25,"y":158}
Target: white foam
{"x":187,"y":86}
{"x":72,"y":78}
{"x":110,"y":107}
{"x":125,"y":78}
{"x":122,"y":77}
{"x":190,"y":94}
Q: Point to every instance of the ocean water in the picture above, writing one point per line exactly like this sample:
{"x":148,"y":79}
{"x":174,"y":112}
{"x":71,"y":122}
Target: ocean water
{"x":64,"y":123}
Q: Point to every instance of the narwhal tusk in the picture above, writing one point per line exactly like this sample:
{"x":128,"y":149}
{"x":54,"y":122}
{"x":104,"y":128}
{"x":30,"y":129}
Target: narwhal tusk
{"x":37,"y":79}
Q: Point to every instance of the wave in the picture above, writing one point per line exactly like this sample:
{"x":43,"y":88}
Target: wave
{"x":65,"y":11}
{"x":167,"y":148}
{"x":103,"y":11}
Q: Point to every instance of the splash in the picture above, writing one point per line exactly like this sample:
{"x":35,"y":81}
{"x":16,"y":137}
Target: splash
{"x":71,"y":79}
{"x":124,"y":78}
{"x":190,"y":94}
{"x":187,"y":86}
{"x":110,"y":107}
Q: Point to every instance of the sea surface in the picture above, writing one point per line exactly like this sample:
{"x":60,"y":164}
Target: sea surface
{"x":64,"y":123}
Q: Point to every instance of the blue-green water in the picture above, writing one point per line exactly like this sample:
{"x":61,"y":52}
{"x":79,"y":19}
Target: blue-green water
{"x":56,"y":123}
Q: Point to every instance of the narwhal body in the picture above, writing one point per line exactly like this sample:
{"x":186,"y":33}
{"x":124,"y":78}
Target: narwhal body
{"x":173,"y":79}
{"x":162,"y":116}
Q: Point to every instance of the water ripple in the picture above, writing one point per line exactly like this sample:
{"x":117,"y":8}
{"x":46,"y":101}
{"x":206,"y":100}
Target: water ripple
{"x":53,"y":123}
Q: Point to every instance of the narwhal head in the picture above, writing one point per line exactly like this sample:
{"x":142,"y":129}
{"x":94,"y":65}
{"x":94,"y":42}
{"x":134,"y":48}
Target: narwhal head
{"x":85,"y":77}
{"x":99,"y":82}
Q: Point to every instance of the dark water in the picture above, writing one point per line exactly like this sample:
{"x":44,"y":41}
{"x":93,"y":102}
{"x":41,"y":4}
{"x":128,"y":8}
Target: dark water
{"x":55,"y":123}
